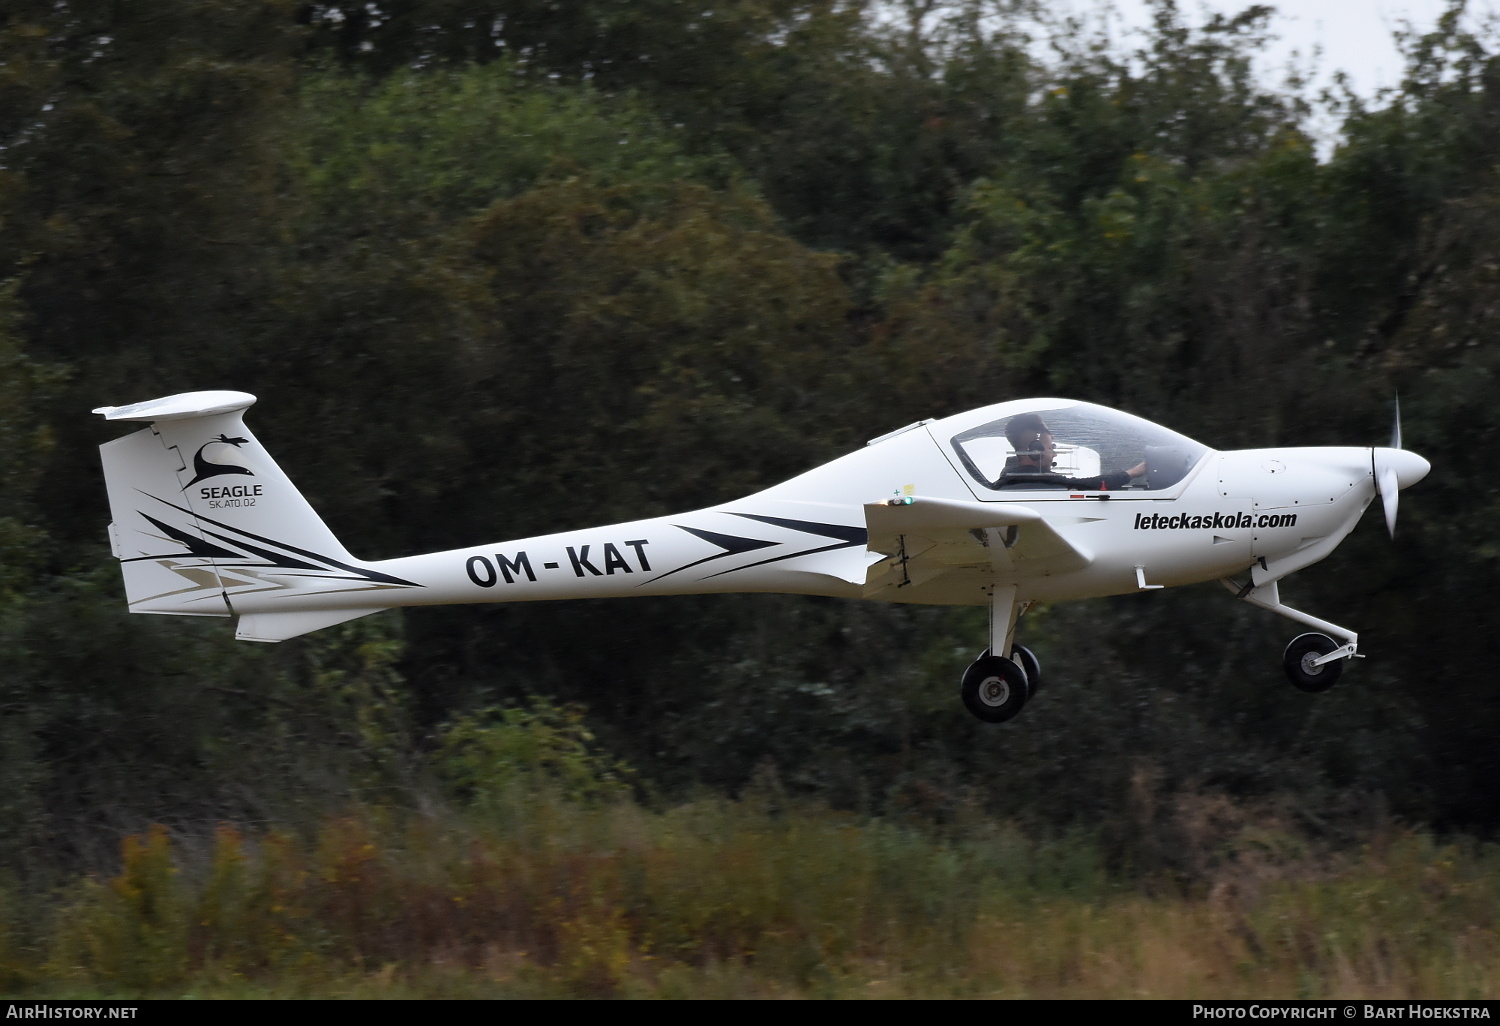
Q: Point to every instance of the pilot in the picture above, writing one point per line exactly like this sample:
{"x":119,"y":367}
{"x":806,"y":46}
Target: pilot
{"x":1031,"y":466}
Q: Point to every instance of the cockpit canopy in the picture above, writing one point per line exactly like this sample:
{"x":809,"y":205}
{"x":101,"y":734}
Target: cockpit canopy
{"x":1090,"y":441}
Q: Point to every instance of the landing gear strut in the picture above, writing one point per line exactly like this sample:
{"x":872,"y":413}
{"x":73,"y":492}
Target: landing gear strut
{"x":994,"y":688}
{"x":1313,"y":662}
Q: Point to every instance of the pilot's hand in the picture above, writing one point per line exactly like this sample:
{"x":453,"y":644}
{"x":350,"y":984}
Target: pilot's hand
{"x":1137,"y":470}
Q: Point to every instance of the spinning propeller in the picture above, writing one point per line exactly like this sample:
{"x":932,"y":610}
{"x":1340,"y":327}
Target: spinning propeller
{"x":1395,"y":469}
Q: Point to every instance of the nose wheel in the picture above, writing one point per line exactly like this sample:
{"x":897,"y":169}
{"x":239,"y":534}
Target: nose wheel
{"x":1302,"y":667}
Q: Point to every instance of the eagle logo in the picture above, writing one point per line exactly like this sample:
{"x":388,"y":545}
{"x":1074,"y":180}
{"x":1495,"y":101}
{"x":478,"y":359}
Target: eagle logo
{"x":216,"y":457}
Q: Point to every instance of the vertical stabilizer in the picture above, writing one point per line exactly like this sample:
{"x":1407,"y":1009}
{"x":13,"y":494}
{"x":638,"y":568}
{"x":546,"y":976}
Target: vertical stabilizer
{"x":206,"y":523}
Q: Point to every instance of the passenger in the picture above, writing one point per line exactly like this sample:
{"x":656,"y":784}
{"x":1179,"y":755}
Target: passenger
{"x":1031,"y":466}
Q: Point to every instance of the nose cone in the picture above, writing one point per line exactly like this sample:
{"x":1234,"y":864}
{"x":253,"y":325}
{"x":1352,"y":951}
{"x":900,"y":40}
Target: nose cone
{"x":1408,"y":467}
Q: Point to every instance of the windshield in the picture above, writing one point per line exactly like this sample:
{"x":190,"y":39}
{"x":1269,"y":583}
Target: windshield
{"x":1073,"y":446}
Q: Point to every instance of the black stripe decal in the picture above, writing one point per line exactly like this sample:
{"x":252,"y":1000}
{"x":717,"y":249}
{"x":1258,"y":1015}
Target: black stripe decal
{"x":360,"y":572}
{"x":847,"y":538}
{"x":849,"y":535}
{"x":732,"y":544}
{"x":789,"y":555}
{"x":195,"y":546}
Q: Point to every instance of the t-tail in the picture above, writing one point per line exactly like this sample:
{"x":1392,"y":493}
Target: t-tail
{"x":206,"y":524}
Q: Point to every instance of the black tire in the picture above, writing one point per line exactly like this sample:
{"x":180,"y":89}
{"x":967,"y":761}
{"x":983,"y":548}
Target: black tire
{"x":994,"y":689}
{"x":1298,"y":659}
{"x":1027,"y":660}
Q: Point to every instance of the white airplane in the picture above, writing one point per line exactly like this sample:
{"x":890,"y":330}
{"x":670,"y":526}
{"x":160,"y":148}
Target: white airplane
{"x":1036,"y":500}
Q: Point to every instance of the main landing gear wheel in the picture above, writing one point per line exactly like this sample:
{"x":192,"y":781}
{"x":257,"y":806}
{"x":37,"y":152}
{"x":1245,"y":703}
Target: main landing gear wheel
{"x":994,"y":689}
{"x":1027,"y":660}
{"x":1298,"y":663}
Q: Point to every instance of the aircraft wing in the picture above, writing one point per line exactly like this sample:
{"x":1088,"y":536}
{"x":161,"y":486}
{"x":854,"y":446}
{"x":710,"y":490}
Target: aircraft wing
{"x":924,"y":538}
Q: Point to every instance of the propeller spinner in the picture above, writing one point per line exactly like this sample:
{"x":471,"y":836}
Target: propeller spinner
{"x":1395,"y":469}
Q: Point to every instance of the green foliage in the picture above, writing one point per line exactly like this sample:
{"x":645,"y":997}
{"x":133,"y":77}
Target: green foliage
{"x":127,"y":722}
{"x":25,"y":442}
{"x":1098,"y":261}
{"x":138,"y":176}
{"x":688,"y":335}
{"x":484,"y":757}
{"x":415,"y":150}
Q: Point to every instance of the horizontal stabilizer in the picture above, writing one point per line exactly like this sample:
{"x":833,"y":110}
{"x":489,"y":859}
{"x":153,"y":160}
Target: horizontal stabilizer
{"x":282,"y":626}
{"x":180,"y":407}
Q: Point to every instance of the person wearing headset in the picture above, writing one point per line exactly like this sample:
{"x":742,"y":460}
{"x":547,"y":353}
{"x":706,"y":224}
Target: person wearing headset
{"x":1036,"y":449}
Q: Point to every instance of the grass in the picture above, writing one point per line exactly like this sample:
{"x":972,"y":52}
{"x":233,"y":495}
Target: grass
{"x":537,"y":894}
